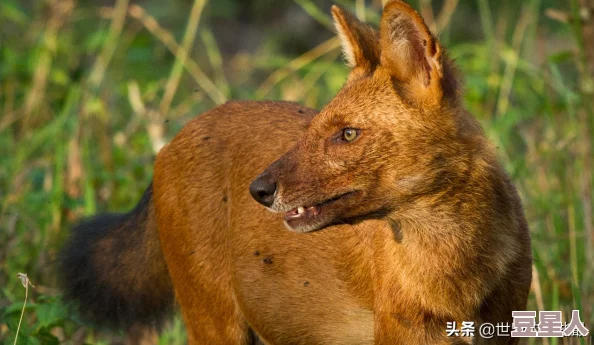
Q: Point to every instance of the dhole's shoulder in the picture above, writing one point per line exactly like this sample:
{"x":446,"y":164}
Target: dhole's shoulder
{"x":242,"y":115}
{"x":281,"y":107}
{"x":249,"y":118}
{"x":260,"y":111}
{"x":240,"y":124}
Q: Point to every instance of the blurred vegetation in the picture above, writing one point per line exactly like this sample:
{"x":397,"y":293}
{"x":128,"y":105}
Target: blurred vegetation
{"x":90,"y":90}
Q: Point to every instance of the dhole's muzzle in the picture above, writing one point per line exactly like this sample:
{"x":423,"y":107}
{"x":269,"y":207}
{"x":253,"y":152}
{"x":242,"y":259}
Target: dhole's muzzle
{"x":304,"y":217}
{"x":310,"y":195}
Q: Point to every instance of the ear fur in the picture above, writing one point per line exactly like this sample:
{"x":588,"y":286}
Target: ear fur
{"x":360,"y":41}
{"x":413,"y":56}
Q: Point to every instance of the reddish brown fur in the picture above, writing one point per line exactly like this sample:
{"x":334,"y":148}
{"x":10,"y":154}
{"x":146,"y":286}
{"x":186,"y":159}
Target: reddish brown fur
{"x":433,"y":232}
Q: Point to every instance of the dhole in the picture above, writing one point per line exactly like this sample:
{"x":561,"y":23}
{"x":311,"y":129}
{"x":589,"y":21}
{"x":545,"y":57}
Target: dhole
{"x":378,"y":220}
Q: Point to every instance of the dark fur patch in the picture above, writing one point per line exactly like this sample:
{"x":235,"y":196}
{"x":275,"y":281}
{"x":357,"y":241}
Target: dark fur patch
{"x":253,"y":338}
{"x":113,"y":271}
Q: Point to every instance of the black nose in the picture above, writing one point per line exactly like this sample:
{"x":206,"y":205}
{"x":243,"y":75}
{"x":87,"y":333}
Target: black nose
{"x":263,"y":189}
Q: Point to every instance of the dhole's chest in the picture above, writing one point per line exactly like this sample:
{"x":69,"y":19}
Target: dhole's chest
{"x":310,"y":285}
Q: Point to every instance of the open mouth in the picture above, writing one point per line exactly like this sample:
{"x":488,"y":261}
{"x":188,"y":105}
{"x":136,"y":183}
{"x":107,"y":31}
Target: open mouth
{"x":311,"y":212}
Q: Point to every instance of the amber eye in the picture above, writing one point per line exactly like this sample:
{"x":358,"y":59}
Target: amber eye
{"x":349,"y":134}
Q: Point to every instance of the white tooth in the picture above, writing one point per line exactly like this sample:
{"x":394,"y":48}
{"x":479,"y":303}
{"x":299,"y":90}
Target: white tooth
{"x":300,"y":210}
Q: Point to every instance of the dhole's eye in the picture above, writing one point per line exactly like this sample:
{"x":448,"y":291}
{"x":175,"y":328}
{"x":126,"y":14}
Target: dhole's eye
{"x":349,"y":134}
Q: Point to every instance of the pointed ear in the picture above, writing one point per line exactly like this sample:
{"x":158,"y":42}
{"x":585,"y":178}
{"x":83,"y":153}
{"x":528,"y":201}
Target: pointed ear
{"x":413,"y":55}
{"x":360,"y":42}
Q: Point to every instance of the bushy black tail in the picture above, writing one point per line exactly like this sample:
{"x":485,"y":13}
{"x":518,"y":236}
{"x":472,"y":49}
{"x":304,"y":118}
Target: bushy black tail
{"x":113,"y":269}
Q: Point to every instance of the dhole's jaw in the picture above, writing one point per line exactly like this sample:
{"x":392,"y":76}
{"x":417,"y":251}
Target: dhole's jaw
{"x":315,"y":217}
{"x":308,"y":198}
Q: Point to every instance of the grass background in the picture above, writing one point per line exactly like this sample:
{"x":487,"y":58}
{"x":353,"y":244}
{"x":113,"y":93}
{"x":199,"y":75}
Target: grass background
{"x":90,"y":90}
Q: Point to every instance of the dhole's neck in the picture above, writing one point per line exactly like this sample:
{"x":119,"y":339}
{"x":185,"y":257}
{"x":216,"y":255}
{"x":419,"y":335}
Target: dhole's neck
{"x":450,"y":248}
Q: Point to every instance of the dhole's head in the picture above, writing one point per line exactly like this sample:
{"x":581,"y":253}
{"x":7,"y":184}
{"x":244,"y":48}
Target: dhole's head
{"x":395,"y":133}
